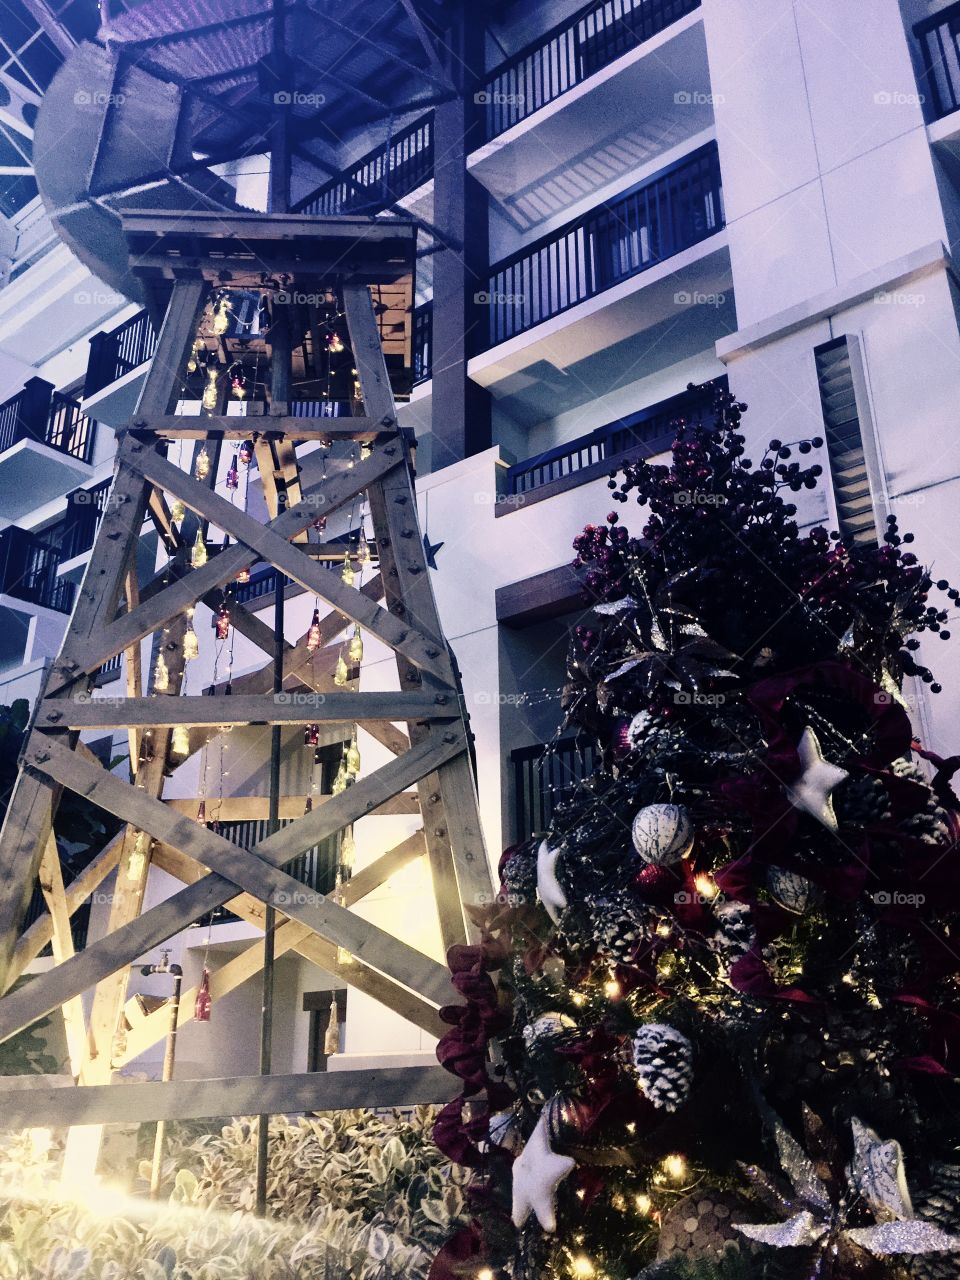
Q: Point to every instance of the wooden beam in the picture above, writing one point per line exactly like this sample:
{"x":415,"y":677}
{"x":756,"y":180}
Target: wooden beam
{"x":340,"y":707}
{"x":228,"y":1096}
{"x":51,"y":885}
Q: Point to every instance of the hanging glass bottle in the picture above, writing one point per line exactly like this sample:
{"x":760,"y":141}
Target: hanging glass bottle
{"x":341,"y":781}
{"x":238,"y":382}
{"x":352,"y":755}
{"x":346,"y":573}
{"x":204,"y":1001}
{"x":311,"y":735}
{"x":198,"y":556}
{"x":320,"y":524}
{"x":342,"y":673}
{"x":355,"y":647}
{"x":191,"y":645}
{"x":223,"y":622}
{"x":243,"y":575}
{"x":363,"y":548}
{"x":177,"y":511}
{"x":180,"y":741}
{"x":201,"y":467}
{"x":211,"y":391}
{"x":202,"y":813}
{"x":313,"y":634}
{"x":221,"y":315}
{"x":232,"y":479}
{"x":161,"y":676}
{"x":245,"y":452}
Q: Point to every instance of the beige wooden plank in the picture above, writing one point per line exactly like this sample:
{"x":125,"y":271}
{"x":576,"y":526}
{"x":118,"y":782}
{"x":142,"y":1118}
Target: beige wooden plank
{"x":228,"y":1096}
{"x":23,"y":838}
{"x":51,"y":885}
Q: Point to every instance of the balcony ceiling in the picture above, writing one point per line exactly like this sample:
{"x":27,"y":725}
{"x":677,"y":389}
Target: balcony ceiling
{"x":142,"y":117}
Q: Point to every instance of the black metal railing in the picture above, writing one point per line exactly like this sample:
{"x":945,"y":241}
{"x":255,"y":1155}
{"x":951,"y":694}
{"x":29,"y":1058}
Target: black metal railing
{"x":38,"y":412}
{"x":28,"y":570}
{"x":939,"y":40}
{"x":85,"y":508}
{"x":543,"y":775}
{"x":263,"y":582}
{"x":672,"y":211}
{"x":607,"y":443}
{"x":118,"y":352}
{"x":423,"y":342}
{"x":316,"y":869}
{"x":569,"y":53}
{"x":380,"y":178}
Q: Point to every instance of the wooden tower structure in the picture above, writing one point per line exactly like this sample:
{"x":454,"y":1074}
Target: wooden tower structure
{"x":288,"y":261}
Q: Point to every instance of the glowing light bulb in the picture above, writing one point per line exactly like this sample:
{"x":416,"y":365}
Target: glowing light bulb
{"x":313,"y":634}
{"x":342,"y":673}
{"x":161,"y":676}
{"x":643,"y":1203}
{"x":675,"y":1167}
{"x":202,"y":466}
{"x":355,"y":647}
{"x":705,"y":886}
{"x":611,"y":988}
{"x":582,"y":1267}
{"x":198,"y":556}
{"x":346,"y":573}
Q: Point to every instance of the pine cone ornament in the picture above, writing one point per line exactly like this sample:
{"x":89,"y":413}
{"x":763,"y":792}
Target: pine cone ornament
{"x":735,"y":933}
{"x":861,"y":801}
{"x":620,"y":925}
{"x":699,"y":1227}
{"x":931,"y":825}
{"x":939,"y":1202}
{"x":650,"y":733}
{"x":664,"y":1061}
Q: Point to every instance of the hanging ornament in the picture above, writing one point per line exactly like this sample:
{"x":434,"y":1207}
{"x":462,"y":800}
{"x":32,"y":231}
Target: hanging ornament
{"x":331,"y":1039}
{"x":313,"y":634}
{"x":211,"y":391}
{"x":308,"y":807}
{"x":346,"y":573}
{"x":363,"y":548}
{"x":232,"y":478}
{"x":221,"y":315}
{"x":204,"y":1001}
{"x":222,"y":625}
{"x":548,"y":887}
{"x":792,"y":892}
{"x":191,"y":645}
{"x":161,"y":676}
{"x":177,"y":511}
{"x":198,"y":556}
{"x":701,"y":1226}
{"x":335,"y":344}
{"x":341,"y":781}
{"x":245,"y":452}
{"x":202,"y":466}
{"x":546,"y":1028}
{"x":664,"y":1061}
{"x":238,"y":382}
{"x":537,"y":1173}
{"x":311,"y":735}
{"x":352,"y":755}
{"x":192,"y":358}
{"x":320,"y":524}
{"x":243,"y":575}
{"x":146,"y":746}
{"x":811,"y":792}
{"x":663,"y":833}
{"x":202,"y":813}
{"x":342,"y":673}
{"x":355,"y":647}
{"x":180,"y":741}
{"x":348,"y":853}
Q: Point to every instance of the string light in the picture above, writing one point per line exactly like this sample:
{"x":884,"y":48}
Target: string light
{"x":355,"y":647}
{"x":198,"y":556}
{"x":313,"y":634}
{"x":611,"y":988}
{"x":202,"y":466}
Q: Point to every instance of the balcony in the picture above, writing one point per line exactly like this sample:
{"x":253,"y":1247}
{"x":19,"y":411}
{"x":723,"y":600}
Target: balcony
{"x":653,"y":261}
{"x":592,"y":456}
{"x":939,"y":39}
{"x":422,"y":342}
{"x":46,"y":448}
{"x":116,"y":366}
{"x":606,"y":91}
{"x":543,"y":775}
{"x":31,"y":597}
{"x":382,"y":177}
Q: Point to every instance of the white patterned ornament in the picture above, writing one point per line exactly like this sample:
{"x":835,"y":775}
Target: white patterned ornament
{"x":548,"y":1026}
{"x":663,"y":833}
{"x":793,"y":892}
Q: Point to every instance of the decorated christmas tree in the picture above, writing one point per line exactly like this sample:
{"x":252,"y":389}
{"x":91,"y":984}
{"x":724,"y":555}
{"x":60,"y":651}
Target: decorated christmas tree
{"x":712,"y":1029}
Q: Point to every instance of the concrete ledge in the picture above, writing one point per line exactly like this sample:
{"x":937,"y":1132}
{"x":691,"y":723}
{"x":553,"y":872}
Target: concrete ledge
{"x":913,"y":266}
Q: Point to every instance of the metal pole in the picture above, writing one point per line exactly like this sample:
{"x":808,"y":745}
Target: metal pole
{"x":269,"y":915}
{"x":169,"y":1057}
